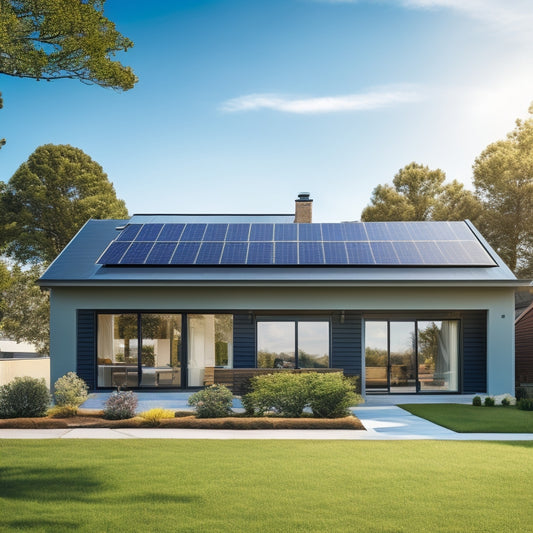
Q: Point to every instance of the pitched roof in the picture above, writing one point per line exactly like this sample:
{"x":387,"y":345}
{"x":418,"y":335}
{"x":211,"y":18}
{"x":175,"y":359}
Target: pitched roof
{"x":78,"y":263}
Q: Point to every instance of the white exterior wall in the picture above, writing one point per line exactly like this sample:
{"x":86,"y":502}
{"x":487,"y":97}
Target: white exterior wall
{"x":498,"y":302}
{"x":38,"y":367}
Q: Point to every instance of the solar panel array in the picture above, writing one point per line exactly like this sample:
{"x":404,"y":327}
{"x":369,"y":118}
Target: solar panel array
{"x":349,"y":243}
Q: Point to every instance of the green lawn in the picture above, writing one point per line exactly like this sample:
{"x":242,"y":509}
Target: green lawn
{"x":281,"y":486}
{"x":471,"y":419}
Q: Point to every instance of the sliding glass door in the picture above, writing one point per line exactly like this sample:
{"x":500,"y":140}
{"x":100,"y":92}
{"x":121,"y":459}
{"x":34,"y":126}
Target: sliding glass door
{"x":409,"y":356}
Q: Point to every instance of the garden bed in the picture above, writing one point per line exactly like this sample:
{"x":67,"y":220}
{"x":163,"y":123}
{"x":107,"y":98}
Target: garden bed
{"x":94,"y":419}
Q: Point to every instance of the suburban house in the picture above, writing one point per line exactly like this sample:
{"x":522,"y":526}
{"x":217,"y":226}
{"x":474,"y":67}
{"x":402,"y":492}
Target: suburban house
{"x":181,"y":301}
{"x":524,"y":348}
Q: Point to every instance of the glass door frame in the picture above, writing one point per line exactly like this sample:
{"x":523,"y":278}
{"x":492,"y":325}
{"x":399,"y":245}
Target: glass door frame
{"x":418,"y":389}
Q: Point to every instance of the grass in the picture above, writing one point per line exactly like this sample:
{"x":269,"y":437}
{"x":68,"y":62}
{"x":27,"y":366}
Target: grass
{"x":247,"y":486}
{"x":471,"y":419}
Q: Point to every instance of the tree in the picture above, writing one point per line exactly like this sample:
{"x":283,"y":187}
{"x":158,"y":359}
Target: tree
{"x":25,"y":309}
{"x":54,"y":39}
{"x":50,"y":197}
{"x":503,"y":180}
{"x":419,"y":193}
{"x":2,"y":141}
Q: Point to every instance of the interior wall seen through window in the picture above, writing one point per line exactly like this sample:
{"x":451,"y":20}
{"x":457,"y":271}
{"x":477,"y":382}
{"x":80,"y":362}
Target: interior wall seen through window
{"x":210,"y":340}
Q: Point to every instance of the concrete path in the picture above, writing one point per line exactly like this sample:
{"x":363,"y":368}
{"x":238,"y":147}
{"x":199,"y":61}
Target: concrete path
{"x":380,"y":415}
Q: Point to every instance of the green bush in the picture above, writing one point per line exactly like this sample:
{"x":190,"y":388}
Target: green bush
{"x":212,"y":402}
{"x":506,"y":402}
{"x":70,"y":390}
{"x":283,"y":393}
{"x":329,"y":395}
{"x":120,"y":405}
{"x":520,"y":392}
{"x":24,"y":397}
{"x":526,"y":404}
{"x":476,"y":400}
{"x":489,"y":401}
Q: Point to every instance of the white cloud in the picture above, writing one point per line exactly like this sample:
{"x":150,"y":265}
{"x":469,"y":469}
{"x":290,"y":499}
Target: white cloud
{"x":325,"y":104}
{"x":513,"y":16}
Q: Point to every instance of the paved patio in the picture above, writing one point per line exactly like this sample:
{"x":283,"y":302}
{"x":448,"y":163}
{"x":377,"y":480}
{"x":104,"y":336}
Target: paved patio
{"x":380,"y":415}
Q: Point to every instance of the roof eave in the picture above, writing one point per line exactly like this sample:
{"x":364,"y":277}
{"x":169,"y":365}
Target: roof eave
{"x":508,"y":283}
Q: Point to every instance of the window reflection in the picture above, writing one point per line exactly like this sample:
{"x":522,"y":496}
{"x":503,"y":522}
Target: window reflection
{"x":411,"y":356}
{"x":313,"y":345}
{"x":276,"y":344}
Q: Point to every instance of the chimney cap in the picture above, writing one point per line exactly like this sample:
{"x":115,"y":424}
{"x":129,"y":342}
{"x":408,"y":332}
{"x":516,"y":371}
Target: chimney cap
{"x":304,"y":197}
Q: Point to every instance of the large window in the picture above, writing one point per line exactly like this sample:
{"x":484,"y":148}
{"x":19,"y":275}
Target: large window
{"x":292,"y":344}
{"x":145,"y":349}
{"x":412,"y":356}
{"x":210,"y":345}
{"x":139,"y":350}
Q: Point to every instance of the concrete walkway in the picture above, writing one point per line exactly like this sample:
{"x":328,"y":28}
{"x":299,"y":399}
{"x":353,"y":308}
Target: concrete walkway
{"x":380,"y":415}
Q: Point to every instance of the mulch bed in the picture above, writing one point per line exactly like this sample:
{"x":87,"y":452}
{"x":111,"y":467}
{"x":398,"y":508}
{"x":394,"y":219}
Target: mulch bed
{"x":93,"y":419}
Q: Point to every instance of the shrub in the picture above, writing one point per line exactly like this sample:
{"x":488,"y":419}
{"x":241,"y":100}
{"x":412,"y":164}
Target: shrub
{"x":153,"y":416}
{"x":489,"y":401}
{"x":506,"y":402}
{"x":331,"y":395}
{"x":70,"y":390}
{"x":476,"y":400}
{"x":520,"y":392}
{"x":24,"y":397}
{"x":62,"y":411}
{"x":120,"y":405}
{"x":526,"y":404}
{"x":212,"y":402}
{"x":284,"y":393}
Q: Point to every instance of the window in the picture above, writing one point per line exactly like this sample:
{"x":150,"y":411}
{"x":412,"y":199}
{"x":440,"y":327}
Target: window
{"x":293,"y":344}
{"x":145,"y":349}
{"x":139,"y":350}
{"x":210,"y":345}
{"x":412,"y":356}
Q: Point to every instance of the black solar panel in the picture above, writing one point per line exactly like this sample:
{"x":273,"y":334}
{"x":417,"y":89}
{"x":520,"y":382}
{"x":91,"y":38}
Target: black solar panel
{"x":161,"y":253}
{"x":286,"y":253}
{"x":185,"y":253}
{"x":149,"y":232}
{"x":234,"y":253}
{"x":260,"y":253}
{"x":347,"y":243}
{"x":238,"y":232}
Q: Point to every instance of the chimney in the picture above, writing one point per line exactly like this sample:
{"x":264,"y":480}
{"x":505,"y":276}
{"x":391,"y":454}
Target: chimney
{"x":303,"y":208}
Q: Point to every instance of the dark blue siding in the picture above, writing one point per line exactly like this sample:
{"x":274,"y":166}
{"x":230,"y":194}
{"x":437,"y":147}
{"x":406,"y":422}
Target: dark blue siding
{"x":243,"y":341}
{"x":474,"y":351}
{"x":346,"y":350}
{"x":86,"y":347}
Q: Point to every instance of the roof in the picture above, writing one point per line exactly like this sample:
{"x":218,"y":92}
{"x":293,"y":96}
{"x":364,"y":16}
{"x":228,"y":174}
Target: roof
{"x":77,"y":265}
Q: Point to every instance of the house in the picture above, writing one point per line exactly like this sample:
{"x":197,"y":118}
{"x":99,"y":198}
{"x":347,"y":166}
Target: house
{"x":524,"y":348}
{"x":180,"y":301}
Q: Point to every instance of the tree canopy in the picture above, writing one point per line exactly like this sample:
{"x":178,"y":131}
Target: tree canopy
{"x":419,"y":193}
{"x":25,"y":309}
{"x":503,"y":180}
{"x":53,"y":39}
{"x":48,"y":200}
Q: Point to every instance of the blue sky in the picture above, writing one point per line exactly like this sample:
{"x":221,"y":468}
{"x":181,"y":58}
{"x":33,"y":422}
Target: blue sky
{"x":242,"y":104}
